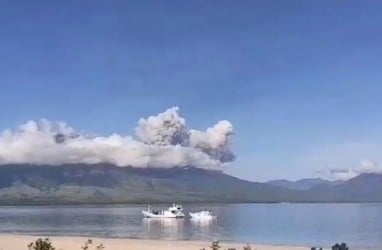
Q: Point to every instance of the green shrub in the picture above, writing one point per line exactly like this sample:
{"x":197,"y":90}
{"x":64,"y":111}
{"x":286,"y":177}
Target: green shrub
{"x":45,"y":244}
{"x":41,"y":244}
{"x":89,"y":243}
{"x":341,"y":246}
{"x":215,"y":245}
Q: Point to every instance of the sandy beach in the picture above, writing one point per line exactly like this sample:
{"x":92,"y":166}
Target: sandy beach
{"x":19,"y":242}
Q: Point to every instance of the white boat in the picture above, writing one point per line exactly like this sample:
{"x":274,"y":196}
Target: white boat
{"x":175,"y":211}
{"x":205,"y":214}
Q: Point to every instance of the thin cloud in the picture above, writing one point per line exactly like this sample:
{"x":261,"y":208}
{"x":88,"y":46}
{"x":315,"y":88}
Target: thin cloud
{"x":365,"y":166}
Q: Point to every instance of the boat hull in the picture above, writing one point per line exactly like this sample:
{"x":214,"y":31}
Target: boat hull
{"x":199,"y":216}
{"x":151,"y":215}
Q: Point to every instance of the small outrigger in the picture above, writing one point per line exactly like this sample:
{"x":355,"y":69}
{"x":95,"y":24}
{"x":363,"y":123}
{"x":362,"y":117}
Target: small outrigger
{"x":202,"y":215}
{"x":175,"y":211}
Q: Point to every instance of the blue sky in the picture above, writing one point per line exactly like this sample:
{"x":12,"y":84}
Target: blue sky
{"x":300,"y":80}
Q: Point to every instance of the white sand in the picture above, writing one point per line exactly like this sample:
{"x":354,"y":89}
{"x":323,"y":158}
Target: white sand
{"x":20,"y":242}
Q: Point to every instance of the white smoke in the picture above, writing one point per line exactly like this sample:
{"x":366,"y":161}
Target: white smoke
{"x":163,"y":141}
{"x":365,"y":166}
{"x":342,"y":174}
{"x":368,"y":166}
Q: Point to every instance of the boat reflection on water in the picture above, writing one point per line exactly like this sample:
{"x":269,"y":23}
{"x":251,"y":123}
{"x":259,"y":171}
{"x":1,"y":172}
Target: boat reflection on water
{"x":203,"y":227}
{"x":203,"y":222}
{"x":163,"y":228}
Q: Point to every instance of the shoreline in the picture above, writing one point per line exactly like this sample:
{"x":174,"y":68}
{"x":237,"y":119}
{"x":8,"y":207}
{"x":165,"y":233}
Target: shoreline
{"x":134,"y":203}
{"x":12,"y":241}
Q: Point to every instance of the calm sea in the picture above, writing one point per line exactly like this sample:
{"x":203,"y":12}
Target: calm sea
{"x":359,"y":225}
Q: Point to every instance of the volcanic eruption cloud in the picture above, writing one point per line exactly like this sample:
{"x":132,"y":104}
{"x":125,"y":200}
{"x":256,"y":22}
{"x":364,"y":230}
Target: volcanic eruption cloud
{"x":162,"y":141}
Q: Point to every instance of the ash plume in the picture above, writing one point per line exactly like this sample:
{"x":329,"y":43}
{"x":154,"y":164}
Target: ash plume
{"x":214,"y":141}
{"x":167,"y":128}
{"x":161,"y":141}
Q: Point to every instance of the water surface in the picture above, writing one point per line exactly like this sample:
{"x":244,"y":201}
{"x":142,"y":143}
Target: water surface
{"x":360,"y":225}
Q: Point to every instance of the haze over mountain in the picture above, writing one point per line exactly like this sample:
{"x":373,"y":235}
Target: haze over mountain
{"x":303,"y":184}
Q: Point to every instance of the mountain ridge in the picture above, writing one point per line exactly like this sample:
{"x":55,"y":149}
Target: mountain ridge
{"x":105,"y":183}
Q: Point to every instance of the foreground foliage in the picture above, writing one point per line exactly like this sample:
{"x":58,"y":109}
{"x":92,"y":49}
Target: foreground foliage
{"x":41,"y":244}
{"x":46,"y":244}
{"x":89,"y":243}
{"x":341,"y":246}
{"x":336,"y":246}
{"x":216,"y":246}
